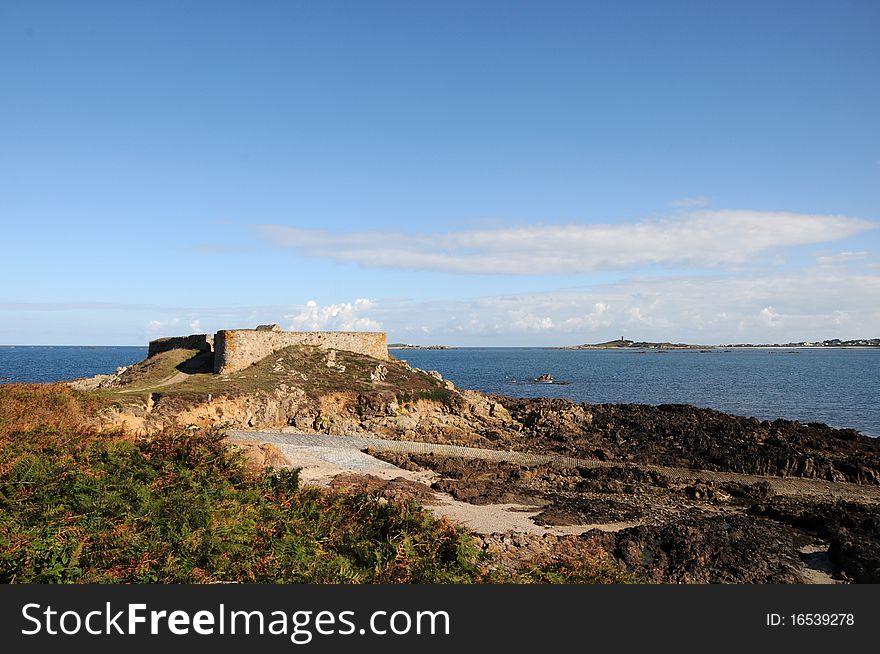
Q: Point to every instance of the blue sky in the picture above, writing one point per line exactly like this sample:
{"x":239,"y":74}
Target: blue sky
{"x":492,"y":173}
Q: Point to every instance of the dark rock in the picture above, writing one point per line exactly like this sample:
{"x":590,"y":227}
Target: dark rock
{"x":852,"y":530}
{"x":716,"y":549}
{"x":687,"y":436}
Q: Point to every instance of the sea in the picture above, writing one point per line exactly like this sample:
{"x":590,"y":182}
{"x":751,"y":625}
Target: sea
{"x":837,"y":386}
{"x":840,"y":387}
{"x":46,"y":363}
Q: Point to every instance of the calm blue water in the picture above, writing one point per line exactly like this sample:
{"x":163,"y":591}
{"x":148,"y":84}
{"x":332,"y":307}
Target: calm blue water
{"x":838,"y":387}
{"x":37,"y":363}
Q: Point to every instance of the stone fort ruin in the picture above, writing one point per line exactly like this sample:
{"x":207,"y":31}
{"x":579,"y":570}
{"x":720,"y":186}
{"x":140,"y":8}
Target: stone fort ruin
{"x":236,"y":349}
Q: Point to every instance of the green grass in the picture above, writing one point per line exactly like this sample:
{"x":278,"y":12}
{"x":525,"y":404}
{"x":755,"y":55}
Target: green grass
{"x":441,"y":395}
{"x":150,"y":372}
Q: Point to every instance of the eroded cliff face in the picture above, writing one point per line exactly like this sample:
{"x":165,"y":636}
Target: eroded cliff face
{"x":466,"y":417}
{"x":302,"y":387}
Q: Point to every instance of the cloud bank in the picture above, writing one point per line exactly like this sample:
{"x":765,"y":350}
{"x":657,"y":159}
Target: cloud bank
{"x":346,"y":316}
{"x":706,"y":239}
{"x":806,"y":304}
{"x":836,"y":297}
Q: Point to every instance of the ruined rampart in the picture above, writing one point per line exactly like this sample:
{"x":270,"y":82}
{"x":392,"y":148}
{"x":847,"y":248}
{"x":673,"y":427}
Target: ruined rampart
{"x":200,"y":342}
{"x":236,"y":349}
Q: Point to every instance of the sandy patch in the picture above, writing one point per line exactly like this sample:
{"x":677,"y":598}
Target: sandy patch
{"x":330,"y":467}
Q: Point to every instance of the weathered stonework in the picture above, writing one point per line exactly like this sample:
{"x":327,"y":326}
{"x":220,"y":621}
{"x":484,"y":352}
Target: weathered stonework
{"x":236,"y":349}
{"x":200,"y":342}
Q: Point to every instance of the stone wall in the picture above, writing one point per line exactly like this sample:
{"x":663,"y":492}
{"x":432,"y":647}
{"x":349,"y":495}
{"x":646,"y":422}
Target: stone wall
{"x":200,"y":342}
{"x":236,"y":349}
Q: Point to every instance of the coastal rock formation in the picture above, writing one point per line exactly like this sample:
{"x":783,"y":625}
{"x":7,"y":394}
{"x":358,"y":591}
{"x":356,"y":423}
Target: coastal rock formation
{"x":379,"y":374}
{"x":684,"y":435}
{"x":853,"y":531}
{"x":709,"y":549}
{"x":666,"y":530}
{"x":388,"y":398}
{"x":655,"y":525}
{"x":261,"y":455}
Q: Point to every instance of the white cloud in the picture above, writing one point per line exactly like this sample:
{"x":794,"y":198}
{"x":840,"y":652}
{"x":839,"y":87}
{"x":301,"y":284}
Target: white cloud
{"x":160,"y":325}
{"x":771,"y":317}
{"x":196,"y":325}
{"x":599,"y":316}
{"x":528,"y":322}
{"x":809,"y":303}
{"x":806,"y":304}
{"x":347,"y":316}
{"x":842,"y":258}
{"x":636,"y":316}
{"x":708,"y":238}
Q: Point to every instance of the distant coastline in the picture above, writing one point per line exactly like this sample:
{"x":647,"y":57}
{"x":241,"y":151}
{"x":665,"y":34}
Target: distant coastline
{"x":106,"y":347}
{"x":409,"y":346}
{"x":645,"y":345}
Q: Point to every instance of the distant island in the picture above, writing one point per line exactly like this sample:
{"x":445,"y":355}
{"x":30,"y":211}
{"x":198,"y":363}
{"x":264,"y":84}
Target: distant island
{"x":640,"y":345}
{"x":409,"y":346}
{"x":623,"y":343}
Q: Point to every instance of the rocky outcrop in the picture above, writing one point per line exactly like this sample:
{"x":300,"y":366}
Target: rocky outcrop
{"x":99,"y":381}
{"x":684,"y":435}
{"x":851,"y":529}
{"x":655,"y":526}
{"x":338,"y":392}
{"x":672,"y":435}
{"x":709,"y":549}
{"x":261,"y":455}
{"x":696,"y":549}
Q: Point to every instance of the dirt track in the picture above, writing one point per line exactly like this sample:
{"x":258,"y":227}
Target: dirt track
{"x":336,"y":462}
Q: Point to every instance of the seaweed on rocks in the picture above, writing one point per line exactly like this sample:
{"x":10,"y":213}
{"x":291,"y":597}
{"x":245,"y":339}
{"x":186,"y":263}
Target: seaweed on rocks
{"x":684,"y":435}
{"x":852,"y":529}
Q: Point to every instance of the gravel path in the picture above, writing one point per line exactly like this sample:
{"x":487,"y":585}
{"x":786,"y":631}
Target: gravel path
{"x":345,"y":451}
{"x":321,"y":458}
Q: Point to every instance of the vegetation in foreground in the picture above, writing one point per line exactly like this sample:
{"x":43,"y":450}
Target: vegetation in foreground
{"x":85,"y":506}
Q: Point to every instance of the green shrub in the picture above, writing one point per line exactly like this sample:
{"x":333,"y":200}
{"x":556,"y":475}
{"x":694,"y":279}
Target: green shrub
{"x":182,"y":507}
